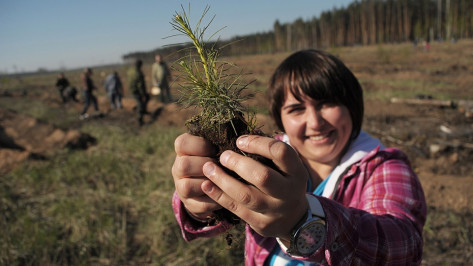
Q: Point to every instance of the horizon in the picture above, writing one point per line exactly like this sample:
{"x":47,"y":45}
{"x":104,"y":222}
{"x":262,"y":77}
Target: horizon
{"x":50,"y":35}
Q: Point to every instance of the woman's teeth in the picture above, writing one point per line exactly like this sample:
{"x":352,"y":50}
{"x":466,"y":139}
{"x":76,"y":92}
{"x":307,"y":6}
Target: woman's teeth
{"x":319,"y":137}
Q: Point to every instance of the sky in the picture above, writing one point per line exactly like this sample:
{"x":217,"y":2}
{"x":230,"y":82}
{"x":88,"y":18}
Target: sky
{"x":68,"y":34}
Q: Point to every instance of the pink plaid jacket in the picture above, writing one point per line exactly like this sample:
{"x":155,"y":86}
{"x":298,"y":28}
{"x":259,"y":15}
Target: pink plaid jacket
{"x":375,"y":216}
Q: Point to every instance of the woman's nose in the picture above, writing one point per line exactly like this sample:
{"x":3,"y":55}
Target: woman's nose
{"x":314,"y":118}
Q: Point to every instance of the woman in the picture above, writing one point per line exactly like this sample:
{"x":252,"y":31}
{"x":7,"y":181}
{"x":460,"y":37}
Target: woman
{"x":339,"y":197}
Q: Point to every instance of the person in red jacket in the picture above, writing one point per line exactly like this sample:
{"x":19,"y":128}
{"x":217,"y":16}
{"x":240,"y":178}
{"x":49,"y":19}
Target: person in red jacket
{"x":338,"y":197}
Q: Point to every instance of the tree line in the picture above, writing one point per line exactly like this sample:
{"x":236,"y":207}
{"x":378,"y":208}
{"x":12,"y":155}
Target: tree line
{"x":364,"y":22}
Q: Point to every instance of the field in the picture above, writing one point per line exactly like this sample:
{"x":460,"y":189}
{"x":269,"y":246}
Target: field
{"x":98,"y":191}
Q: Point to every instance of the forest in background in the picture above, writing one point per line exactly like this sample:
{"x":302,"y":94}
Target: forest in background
{"x":364,"y":22}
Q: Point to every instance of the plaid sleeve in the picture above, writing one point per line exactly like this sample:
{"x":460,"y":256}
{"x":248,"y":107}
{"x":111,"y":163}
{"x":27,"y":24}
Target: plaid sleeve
{"x":380,"y":219}
{"x":192,"y":229}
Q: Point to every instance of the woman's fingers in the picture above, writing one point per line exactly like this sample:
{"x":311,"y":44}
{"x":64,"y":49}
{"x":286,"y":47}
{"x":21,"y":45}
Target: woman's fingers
{"x":201,"y":206}
{"x":192,"y":153}
{"x":188,"y":166}
{"x":187,"y":144}
{"x":189,"y":187}
{"x":283,"y":155}
{"x":291,"y":173}
{"x":267,"y":215}
{"x":204,"y":186}
{"x":266,"y":179}
{"x":229,"y":192}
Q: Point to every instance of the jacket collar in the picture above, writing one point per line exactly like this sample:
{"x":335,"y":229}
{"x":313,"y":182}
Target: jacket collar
{"x":358,"y":150}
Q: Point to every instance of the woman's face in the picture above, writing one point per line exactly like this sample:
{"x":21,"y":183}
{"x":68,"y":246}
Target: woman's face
{"x":318,"y":130}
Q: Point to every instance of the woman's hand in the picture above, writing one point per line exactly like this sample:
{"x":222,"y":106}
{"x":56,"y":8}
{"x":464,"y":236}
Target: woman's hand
{"x":274,"y":202}
{"x":192,"y":153}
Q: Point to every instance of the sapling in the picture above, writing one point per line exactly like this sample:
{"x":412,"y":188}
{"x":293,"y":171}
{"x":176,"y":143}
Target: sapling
{"x":218,"y":93}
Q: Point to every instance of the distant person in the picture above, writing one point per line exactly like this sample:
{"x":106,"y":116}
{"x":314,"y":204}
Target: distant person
{"x":88,"y":88}
{"x":137,"y":86}
{"x":114,"y":89}
{"x":70,"y":93}
{"x":161,"y":75}
{"x":61,"y":84}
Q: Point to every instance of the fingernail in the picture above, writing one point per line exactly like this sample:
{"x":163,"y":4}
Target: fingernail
{"x":207,"y":187}
{"x":243,"y":141}
{"x":224,"y":157}
{"x":208,"y":169}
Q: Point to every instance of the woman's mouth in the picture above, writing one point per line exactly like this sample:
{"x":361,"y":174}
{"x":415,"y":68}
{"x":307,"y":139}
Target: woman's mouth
{"x":320,"y":137}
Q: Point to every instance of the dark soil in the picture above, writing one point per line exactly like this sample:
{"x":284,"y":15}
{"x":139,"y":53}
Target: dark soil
{"x":224,"y":136}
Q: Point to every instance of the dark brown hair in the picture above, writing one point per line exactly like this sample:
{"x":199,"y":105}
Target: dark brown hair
{"x":320,"y":76}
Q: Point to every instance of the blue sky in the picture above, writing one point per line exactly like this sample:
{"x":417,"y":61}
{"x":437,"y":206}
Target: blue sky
{"x":55,"y":34}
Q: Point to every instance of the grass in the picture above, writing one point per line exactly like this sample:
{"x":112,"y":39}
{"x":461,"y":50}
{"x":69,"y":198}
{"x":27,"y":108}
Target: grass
{"x":452,"y":227}
{"x":108,"y":205}
{"x":407,"y":89}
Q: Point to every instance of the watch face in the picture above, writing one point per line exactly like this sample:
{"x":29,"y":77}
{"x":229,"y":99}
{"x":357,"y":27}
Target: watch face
{"x":310,"y":238}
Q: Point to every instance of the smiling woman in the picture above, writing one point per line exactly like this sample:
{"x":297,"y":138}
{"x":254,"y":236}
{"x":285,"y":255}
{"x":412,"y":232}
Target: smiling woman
{"x":318,"y":110}
{"x":334,"y":185}
{"x":319,"y":131}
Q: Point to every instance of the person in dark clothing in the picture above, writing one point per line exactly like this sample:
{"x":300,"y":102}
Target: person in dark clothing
{"x":61,"y":84}
{"x":137,"y":86}
{"x":88,"y":88}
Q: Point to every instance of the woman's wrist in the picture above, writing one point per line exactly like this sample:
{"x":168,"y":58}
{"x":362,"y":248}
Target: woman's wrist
{"x":205,"y":219}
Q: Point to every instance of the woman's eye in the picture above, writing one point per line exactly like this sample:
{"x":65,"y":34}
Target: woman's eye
{"x":295,"y":110}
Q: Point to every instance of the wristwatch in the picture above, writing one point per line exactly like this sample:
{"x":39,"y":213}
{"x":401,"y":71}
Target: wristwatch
{"x":309,"y":234}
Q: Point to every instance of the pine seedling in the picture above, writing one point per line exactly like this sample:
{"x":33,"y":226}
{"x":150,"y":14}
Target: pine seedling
{"x":209,"y":86}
